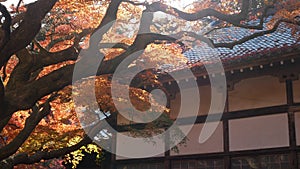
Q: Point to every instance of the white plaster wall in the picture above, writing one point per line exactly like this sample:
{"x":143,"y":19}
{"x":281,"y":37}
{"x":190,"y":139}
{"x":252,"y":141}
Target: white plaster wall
{"x":245,"y":134}
{"x":136,"y":147}
{"x":256,"y":93}
{"x":192,"y":146}
{"x":297,"y":126}
{"x":296,"y":88}
{"x":259,"y":132}
{"x":204,"y":105}
{"x":122,"y":120}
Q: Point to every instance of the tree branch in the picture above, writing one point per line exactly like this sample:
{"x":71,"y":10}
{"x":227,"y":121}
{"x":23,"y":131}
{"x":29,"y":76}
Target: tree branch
{"x":18,"y":18}
{"x":42,"y":155}
{"x":137,"y":3}
{"x":106,"y":23}
{"x":252,"y":36}
{"x":233,"y":18}
{"x":114,"y":45}
{"x":60,"y":39}
{"x":18,"y":5}
{"x":4,"y":122}
{"x":38,"y":113}
{"x":63,"y":76}
{"x":5,"y":36}
{"x":27,"y":30}
{"x":2,"y":96}
{"x":18,"y":99}
{"x":21,"y":72}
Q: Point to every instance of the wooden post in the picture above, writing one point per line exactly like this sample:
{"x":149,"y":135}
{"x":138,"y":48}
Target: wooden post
{"x":291,"y":123}
{"x":167,"y":161}
{"x":113,"y":161}
{"x":227,"y":159}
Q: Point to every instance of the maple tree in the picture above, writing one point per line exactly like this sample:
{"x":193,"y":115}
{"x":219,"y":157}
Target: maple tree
{"x":41,"y":42}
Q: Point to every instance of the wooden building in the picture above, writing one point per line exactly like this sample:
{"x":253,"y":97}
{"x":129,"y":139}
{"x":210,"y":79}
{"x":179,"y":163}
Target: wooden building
{"x":260,"y":126}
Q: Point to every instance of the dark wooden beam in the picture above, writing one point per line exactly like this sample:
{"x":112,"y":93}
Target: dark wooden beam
{"x":292,"y":127}
{"x":226,"y":116}
{"x":227,"y":158}
{"x":208,"y":156}
{"x":286,"y":70}
{"x":226,"y":148}
{"x":283,"y":67}
{"x":113,"y":144}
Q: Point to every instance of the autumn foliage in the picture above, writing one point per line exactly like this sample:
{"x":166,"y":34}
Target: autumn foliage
{"x":36,"y":68}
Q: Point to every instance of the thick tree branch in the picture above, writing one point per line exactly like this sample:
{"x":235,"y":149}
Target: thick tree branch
{"x":113,"y":45}
{"x":140,"y":43}
{"x":2,"y":96}
{"x":45,"y":58}
{"x":27,"y":30}
{"x":63,"y":76}
{"x":42,"y":155}
{"x":18,"y":18}
{"x":233,"y":18}
{"x":60,"y":39}
{"x":252,"y":36}
{"x":18,"y":5}
{"x":38,"y":113}
{"x":204,"y":39}
{"x":5,"y":34}
{"x":25,"y":95}
{"x":230,"y":45}
{"x":19,"y":98}
{"x":137,"y":3}
{"x":106,"y":23}
{"x":21,"y":72}
{"x":4,"y":122}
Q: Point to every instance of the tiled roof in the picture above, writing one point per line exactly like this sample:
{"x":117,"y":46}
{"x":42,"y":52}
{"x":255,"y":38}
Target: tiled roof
{"x":265,"y":47}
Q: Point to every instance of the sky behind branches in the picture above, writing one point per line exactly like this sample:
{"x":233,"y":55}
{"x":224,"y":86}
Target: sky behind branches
{"x":8,"y":3}
{"x":180,"y":4}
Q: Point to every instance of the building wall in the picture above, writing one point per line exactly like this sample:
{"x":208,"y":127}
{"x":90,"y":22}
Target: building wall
{"x":132,"y":148}
{"x":247,"y":133}
{"x":259,"y":132}
{"x":296,"y":88}
{"x":258,"y":92}
{"x":192,"y":146}
{"x":244,"y":134}
{"x":297,"y":124}
{"x":204,"y":105}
